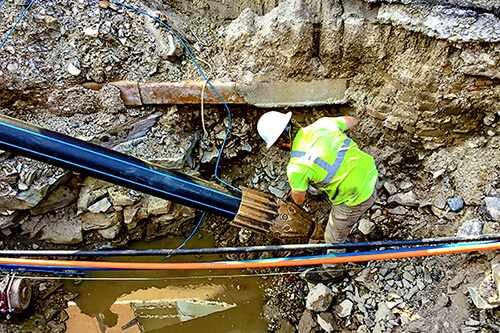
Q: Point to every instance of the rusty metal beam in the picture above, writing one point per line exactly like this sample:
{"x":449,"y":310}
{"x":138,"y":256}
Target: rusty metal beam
{"x":189,"y":92}
{"x":268,"y":94}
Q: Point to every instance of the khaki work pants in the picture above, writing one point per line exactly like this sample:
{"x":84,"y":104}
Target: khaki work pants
{"x":343,"y":218}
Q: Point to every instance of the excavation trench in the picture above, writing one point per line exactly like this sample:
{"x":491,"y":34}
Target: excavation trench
{"x":175,"y":128}
{"x":426,"y":96}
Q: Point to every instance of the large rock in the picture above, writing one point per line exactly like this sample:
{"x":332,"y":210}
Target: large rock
{"x":454,"y":24}
{"x":174,"y":222}
{"x":130,"y":216}
{"x":62,"y":227}
{"x":93,"y":221}
{"x":491,"y":207}
{"x":157,"y":206}
{"x":344,"y":309}
{"x":111,"y":232}
{"x":25,"y":199}
{"x":470,"y":228}
{"x":327,"y":322}
{"x":92,"y":191}
{"x":282,"y":40}
{"x":405,"y":199}
{"x":100,"y":206}
{"x":319,"y":298}
{"x":62,"y":196}
{"x":307,"y":323}
{"x":120,"y":196}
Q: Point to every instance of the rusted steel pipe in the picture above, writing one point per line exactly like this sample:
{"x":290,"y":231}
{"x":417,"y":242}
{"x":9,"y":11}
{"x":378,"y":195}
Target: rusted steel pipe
{"x":260,"y":94}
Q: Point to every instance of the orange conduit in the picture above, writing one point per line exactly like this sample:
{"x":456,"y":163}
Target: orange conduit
{"x":260,"y":263}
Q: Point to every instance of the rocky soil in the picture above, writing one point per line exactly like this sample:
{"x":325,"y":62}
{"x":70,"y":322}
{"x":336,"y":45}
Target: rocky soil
{"x":424,"y":83}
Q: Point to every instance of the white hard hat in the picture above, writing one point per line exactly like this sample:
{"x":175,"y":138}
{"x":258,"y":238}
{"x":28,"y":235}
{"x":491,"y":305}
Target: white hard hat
{"x":271,"y":124}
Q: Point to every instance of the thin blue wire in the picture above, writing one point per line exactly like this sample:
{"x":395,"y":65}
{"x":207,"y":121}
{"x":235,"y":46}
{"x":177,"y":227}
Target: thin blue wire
{"x":189,"y":237}
{"x":206,"y":79}
{"x":22,"y":270}
{"x":2,"y":4}
{"x":20,"y":18}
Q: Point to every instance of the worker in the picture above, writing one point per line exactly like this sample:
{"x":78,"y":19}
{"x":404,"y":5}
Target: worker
{"x":323,"y":156}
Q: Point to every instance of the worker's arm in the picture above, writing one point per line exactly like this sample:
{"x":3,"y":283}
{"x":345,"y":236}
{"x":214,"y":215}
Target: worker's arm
{"x":298,"y":196}
{"x":350,"y":123}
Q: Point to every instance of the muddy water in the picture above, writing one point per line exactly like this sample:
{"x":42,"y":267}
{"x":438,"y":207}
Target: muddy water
{"x":168,"y":301}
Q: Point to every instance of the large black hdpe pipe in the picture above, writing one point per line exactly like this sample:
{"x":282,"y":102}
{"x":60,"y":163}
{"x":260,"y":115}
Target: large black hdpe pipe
{"x":106,"y":164}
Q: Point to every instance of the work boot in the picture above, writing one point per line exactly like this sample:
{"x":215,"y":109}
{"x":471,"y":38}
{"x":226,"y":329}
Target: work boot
{"x":317,"y":275}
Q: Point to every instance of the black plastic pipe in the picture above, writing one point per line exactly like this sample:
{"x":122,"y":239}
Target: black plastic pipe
{"x":106,"y":164}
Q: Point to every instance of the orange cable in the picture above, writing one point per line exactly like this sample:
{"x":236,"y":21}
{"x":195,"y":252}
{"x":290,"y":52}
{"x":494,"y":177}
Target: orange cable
{"x":260,"y":263}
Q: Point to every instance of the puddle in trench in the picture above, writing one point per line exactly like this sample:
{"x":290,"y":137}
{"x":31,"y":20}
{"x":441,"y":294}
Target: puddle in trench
{"x":171,"y":301}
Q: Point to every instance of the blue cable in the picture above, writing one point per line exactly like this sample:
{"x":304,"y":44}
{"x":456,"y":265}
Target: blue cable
{"x":2,"y":4}
{"x":20,"y":18}
{"x":189,"y":237}
{"x":206,"y":79}
{"x":34,"y":270}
